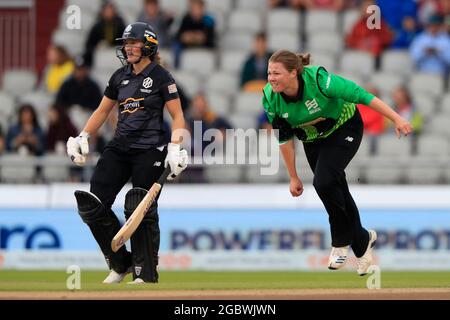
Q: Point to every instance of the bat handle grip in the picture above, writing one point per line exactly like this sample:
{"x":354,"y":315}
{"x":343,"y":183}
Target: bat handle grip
{"x":164,"y":176}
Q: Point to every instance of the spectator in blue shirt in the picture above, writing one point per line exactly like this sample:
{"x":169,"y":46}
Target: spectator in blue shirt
{"x":431,"y":49}
{"x":404,"y":37}
{"x":26,"y":134}
{"x":197,"y":30}
{"x":394,"y":11}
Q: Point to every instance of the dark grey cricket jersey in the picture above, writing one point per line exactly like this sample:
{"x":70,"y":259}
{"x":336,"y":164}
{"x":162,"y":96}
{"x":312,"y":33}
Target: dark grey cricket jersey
{"x":141,"y":100}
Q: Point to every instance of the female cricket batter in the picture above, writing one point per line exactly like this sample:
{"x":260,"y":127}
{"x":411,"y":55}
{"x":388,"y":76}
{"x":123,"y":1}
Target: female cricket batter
{"x":138,"y":151}
{"x":319,"y":109}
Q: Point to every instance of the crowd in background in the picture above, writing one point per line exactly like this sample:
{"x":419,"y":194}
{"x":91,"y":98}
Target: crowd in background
{"x":422,"y":27}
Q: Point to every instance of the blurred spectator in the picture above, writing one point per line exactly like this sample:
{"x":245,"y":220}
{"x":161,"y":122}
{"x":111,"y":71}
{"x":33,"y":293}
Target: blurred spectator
{"x":200,"y":114}
{"x":59,"y":67}
{"x":263,"y":122}
{"x":197,"y":30}
{"x":296,"y":4}
{"x":255,"y":67}
{"x":404,"y":106}
{"x":394,"y":12}
{"x":26,"y":134}
{"x":159,"y":20}
{"x":405,"y":36}
{"x":2,"y":140}
{"x":277,"y":4}
{"x":60,"y":128}
{"x":200,"y":111}
{"x":374,"y":123}
{"x":352,"y":4}
{"x":107,"y":28}
{"x":429,"y":8}
{"x":335,"y":5}
{"x":430,"y":50}
{"x":374,"y":41}
{"x":79,"y":89}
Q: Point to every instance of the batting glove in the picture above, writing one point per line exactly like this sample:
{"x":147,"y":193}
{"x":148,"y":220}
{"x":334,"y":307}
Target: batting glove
{"x":177,"y":159}
{"x":78,"y":148}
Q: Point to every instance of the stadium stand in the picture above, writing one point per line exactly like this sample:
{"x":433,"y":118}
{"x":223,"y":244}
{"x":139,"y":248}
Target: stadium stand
{"x":216,"y":72}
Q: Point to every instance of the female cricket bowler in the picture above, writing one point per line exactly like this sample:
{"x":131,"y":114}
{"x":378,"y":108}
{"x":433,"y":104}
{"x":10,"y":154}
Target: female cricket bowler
{"x":138,"y":150}
{"x":319,"y":109}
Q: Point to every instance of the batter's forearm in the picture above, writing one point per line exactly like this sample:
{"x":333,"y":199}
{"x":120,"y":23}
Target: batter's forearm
{"x":178,"y":126}
{"x":95,"y":121}
{"x":288,"y":151}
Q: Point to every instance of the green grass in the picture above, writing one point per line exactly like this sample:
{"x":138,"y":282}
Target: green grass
{"x":91,"y":280}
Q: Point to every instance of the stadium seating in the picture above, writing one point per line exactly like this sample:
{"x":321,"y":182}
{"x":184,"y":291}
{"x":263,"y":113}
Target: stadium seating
{"x":198,"y":61}
{"x":18,"y":82}
{"x":55,"y":168}
{"x":17,"y":168}
{"x":424,"y":159}
{"x":283,"y":20}
{"x":397,"y":61}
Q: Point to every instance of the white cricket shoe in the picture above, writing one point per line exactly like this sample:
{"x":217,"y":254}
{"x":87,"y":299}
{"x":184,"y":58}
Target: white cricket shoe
{"x":338,"y":257}
{"x":363,"y":263}
{"x":136,"y":281}
{"x":115,"y":277}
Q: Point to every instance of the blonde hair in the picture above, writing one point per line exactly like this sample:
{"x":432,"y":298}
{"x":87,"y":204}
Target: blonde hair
{"x":291,"y":61}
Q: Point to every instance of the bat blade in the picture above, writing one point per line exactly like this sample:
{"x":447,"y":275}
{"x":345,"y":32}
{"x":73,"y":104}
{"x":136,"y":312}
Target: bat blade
{"x":135,"y":219}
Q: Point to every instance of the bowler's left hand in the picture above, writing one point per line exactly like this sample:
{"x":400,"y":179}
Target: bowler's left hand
{"x":402,"y":127}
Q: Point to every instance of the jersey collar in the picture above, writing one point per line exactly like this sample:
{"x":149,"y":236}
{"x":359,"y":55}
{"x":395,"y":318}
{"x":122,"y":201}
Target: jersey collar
{"x":144,"y":72}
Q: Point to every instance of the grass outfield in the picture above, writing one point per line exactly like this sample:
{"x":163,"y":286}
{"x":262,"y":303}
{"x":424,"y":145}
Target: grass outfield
{"x":181,"y":280}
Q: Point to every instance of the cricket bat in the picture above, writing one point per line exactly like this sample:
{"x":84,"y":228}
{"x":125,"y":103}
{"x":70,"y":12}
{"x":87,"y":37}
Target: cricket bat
{"x":138,"y":214}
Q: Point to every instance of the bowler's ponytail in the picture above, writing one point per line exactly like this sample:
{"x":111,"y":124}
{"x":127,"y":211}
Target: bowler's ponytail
{"x":304,"y":58}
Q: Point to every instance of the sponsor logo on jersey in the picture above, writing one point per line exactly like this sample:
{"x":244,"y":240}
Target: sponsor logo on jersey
{"x":131,"y":105}
{"x":125,"y":82}
{"x":312,"y":106}
{"x":349,"y":139}
{"x":147,"y":83}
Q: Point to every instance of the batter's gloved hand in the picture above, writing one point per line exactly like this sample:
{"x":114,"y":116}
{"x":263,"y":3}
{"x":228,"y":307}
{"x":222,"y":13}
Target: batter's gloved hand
{"x":177,"y":159}
{"x":78,"y":148}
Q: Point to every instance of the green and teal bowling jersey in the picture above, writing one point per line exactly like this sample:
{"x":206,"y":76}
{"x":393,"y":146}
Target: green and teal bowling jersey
{"x":328,"y":101}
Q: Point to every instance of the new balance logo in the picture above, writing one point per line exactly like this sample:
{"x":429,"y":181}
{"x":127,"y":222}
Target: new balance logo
{"x":349,"y":139}
{"x":157,"y":164}
{"x":138,"y":270}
